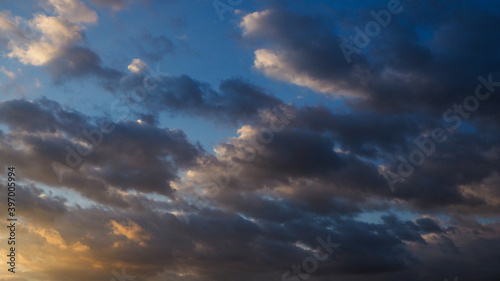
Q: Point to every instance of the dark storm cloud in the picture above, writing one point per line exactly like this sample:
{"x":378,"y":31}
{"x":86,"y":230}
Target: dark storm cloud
{"x":303,"y":163}
{"x":320,"y":156}
{"x":246,"y":231}
{"x":440,"y":181}
{"x":282,"y":189}
{"x":296,"y":153}
{"x":119,"y":4}
{"x":449,"y":176}
{"x":125,"y":156}
{"x":417,"y":63}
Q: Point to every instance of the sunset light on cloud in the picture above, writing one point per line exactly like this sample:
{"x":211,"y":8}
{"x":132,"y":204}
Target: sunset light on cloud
{"x":204,"y":140}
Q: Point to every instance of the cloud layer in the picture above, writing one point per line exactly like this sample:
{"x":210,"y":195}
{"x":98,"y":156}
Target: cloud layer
{"x":404,"y":180}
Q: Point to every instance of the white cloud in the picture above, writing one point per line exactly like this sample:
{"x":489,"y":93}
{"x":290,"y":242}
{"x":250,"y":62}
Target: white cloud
{"x":10,"y":74}
{"x":113,"y":4}
{"x":137,"y":66}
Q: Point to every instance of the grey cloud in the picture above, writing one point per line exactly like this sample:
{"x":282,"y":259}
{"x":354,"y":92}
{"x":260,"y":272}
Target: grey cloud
{"x":235,"y":101}
{"x":398,"y":71}
{"x":133,"y":156}
{"x":77,"y":62}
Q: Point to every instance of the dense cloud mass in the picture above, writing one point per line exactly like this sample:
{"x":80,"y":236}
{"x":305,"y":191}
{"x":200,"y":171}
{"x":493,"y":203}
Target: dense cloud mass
{"x":417,"y":62}
{"x":96,"y":159}
{"x":401,"y":183}
{"x":235,"y":101}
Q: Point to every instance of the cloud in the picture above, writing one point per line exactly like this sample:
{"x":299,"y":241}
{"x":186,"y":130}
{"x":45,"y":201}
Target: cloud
{"x":113,"y":4}
{"x":153,"y":243}
{"x":397,"y":90}
{"x":100,"y":165}
{"x":137,"y":66}
{"x":81,"y":62}
{"x":154,"y":48}
{"x":9,"y":74}
{"x":302,"y":52}
{"x":131,"y":230}
{"x":159,"y":206}
{"x":318,"y":156}
{"x":278,"y":67}
{"x":6,"y":23}
{"x":73,"y":11}
{"x":250,"y":22}
{"x":54,"y":42}
{"x":52,"y":34}
{"x":56,"y":35}
{"x":51,"y":235}
{"x":402,"y":69}
{"x":280,"y":195}
{"x":296,"y":188}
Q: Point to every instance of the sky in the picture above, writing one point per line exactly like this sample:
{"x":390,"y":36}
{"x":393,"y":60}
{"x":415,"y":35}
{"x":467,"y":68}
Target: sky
{"x":250,"y":140}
